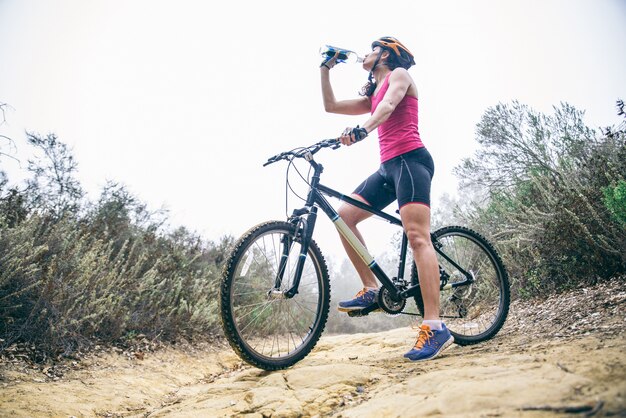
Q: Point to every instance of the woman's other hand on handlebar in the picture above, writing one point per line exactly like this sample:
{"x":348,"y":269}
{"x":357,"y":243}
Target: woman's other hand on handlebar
{"x":347,"y":137}
{"x":352,"y":135}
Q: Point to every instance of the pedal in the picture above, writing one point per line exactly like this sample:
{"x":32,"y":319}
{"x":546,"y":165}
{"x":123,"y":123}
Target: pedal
{"x":363,"y":312}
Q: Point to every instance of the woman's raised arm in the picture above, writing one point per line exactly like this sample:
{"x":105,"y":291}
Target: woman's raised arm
{"x":358,"y":106}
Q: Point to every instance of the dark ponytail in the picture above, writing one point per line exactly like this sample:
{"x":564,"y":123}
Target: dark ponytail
{"x":368,"y":89}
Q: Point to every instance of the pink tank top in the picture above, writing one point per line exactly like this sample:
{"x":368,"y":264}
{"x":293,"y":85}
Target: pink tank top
{"x":399,"y":133}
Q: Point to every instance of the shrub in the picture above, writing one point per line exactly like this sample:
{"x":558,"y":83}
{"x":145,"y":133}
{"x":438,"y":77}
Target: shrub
{"x":549,"y":191}
{"x":73,"y":273}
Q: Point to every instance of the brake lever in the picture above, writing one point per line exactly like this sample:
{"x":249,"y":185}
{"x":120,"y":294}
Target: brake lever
{"x":333,"y":143}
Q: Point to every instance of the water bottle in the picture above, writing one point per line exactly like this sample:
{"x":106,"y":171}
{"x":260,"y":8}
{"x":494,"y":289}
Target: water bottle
{"x":345,"y":55}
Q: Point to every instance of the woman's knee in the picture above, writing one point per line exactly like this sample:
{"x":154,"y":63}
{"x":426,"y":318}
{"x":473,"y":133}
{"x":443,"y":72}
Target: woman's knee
{"x":416,"y":220}
{"x":418,"y":240}
{"x":349,"y":214}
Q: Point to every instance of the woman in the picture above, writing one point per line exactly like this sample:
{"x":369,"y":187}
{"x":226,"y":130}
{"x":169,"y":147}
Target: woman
{"x":405,"y":175}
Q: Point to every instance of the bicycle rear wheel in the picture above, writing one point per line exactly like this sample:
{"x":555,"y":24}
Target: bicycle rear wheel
{"x":475,"y":312}
{"x":266,"y":330}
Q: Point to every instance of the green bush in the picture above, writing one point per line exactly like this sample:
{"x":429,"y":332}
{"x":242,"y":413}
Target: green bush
{"x":615,"y":201}
{"x":549,"y":191}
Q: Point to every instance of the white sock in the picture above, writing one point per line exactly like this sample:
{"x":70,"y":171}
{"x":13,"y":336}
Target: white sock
{"x":434,"y":324}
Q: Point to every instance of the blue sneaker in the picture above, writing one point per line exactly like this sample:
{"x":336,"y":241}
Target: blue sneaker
{"x":430,"y":343}
{"x":364,"y":299}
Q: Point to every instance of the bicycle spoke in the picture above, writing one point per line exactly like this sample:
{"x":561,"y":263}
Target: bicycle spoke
{"x":256,"y":318}
{"x":304,"y":307}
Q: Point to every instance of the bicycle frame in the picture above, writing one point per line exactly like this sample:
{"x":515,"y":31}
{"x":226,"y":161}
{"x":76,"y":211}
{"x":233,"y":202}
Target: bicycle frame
{"x":315,"y":199}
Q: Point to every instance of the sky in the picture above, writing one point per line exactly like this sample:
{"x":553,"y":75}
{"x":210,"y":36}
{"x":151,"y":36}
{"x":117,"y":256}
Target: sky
{"x":182,"y":101}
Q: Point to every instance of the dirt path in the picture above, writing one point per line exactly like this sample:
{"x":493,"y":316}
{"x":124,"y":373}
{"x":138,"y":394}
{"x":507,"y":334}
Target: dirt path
{"x":564,"y":352}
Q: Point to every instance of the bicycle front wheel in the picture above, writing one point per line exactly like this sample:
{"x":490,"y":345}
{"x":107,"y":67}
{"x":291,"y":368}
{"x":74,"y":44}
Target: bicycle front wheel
{"x":265,"y":328}
{"x":474,"y":312}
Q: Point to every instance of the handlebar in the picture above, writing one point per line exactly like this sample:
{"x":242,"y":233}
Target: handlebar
{"x":303,"y":152}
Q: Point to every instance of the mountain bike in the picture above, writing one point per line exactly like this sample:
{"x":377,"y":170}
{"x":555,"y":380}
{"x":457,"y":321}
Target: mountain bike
{"x":275,"y":290}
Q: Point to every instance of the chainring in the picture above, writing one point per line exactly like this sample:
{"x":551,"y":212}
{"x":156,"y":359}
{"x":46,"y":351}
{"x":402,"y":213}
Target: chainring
{"x":388,"y":305}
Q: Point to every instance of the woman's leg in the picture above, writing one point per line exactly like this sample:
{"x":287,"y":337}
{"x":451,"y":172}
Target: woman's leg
{"x":433,"y":336}
{"x":416,"y":222}
{"x":413,"y":177}
{"x":352,"y":216}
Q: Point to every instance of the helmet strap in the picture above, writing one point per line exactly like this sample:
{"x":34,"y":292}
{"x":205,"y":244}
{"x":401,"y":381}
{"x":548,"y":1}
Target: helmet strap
{"x":370,"y":77}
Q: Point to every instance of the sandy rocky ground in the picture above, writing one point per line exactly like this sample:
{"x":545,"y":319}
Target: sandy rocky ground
{"x":564,"y":356}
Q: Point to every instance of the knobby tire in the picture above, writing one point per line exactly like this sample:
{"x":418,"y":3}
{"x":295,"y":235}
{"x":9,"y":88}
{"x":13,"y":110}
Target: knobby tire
{"x":272,"y":314}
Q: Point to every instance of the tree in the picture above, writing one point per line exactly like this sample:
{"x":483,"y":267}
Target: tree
{"x":4,"y":140}
{"x":12,"y":200}
{"x":53,"y":187}
{"x":517,"y":142}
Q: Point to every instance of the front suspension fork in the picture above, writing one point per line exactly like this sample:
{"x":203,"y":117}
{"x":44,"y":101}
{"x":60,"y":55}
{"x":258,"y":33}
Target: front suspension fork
{"x":304,"y":225}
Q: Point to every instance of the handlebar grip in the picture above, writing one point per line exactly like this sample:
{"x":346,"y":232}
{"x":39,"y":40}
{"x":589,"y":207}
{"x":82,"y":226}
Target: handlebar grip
{"x":275,"y":158}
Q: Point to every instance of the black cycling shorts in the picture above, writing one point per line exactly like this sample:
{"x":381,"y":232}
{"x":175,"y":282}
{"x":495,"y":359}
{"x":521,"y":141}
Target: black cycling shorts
{"x":406,"y":178}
